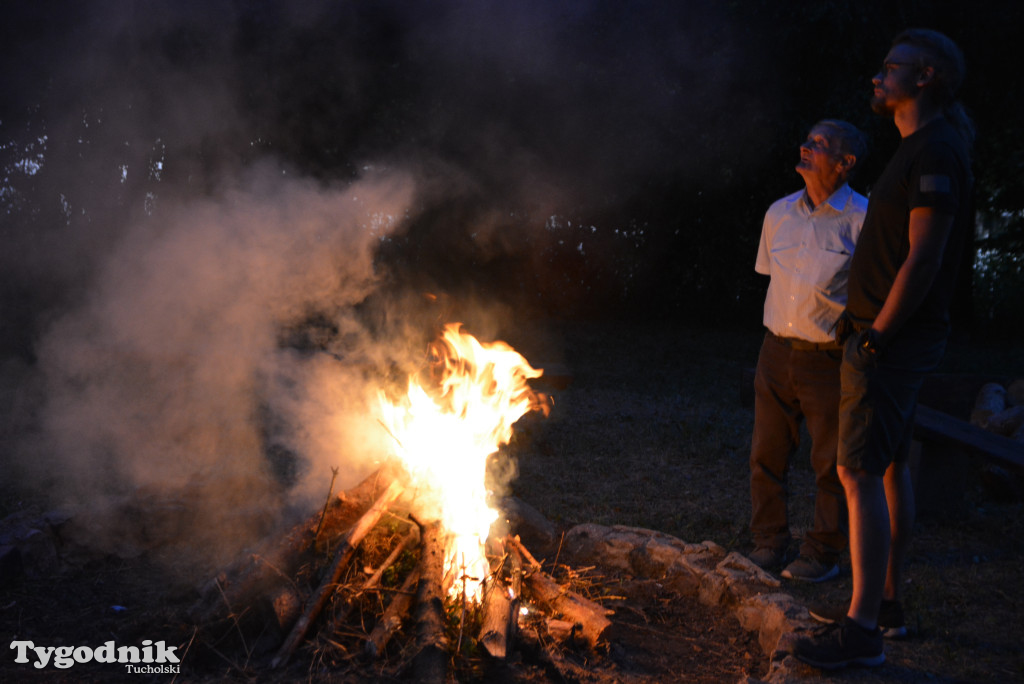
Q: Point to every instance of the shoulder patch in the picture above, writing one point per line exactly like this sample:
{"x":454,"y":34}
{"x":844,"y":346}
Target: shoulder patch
{"x":935,"y":183}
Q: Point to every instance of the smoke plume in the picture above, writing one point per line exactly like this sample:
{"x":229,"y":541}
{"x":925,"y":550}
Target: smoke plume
{"x":221,"y":219}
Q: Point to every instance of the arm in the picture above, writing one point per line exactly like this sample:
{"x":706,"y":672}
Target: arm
{"x":929,"y":232}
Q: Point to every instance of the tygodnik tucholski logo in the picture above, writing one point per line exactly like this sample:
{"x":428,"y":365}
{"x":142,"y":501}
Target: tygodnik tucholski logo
{"x":149,"y":658}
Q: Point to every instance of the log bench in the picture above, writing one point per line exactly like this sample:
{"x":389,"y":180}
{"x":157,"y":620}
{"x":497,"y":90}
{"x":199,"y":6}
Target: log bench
{"x":944,"y":442}
{"x":931,"y":425}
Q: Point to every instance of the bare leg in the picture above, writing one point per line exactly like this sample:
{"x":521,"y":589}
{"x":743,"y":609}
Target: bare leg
{"x":869,"y":542}
{"x":899,"y":493}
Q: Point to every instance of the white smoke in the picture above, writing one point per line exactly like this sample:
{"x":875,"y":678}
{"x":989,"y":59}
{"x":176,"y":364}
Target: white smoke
{"x":171,"y":375}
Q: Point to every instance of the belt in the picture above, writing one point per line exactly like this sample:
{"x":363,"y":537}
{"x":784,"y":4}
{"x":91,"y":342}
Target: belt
{"x":804,"y":345}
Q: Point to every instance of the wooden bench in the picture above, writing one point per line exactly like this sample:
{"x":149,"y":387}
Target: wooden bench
{"x":932,"y":425}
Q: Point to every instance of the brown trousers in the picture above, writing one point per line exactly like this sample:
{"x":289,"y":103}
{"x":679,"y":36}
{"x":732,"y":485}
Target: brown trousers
{"x":793,"y":386}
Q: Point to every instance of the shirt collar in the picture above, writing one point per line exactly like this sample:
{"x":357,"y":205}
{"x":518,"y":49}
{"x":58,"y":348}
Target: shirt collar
{"x":837,"y":200}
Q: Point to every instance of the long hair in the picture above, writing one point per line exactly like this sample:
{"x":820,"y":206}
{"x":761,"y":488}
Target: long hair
{"x":947,"y":61}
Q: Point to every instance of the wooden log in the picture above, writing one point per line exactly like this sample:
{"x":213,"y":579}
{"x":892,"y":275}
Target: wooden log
{"x":1006,"y":422}
{"x":341,"y":559}
{"x":991,"y":400}
{"x":393,"y":616}
{"x":431,"y":661}
{"x":932,"y":425}
{"x":372,"y":581}
{"x":1015,"y":392}
{"x":370,"y":487}
{"x":271,"y":567}
{"x":285,"y":605}
{"x":499,"y":619}
{"x":588,"y":615}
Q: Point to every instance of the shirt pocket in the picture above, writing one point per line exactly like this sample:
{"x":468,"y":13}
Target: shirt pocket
{"x":833,"y":255}
{"x":832,"y":241}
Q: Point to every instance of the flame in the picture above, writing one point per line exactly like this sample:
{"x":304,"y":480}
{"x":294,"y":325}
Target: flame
{"x":445,"y":431}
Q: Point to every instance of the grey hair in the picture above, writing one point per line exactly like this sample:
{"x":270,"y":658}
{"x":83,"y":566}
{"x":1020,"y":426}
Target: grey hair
{"x":848,"y":139}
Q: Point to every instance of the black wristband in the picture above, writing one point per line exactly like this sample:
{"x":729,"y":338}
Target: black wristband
{"x":869,"y":341}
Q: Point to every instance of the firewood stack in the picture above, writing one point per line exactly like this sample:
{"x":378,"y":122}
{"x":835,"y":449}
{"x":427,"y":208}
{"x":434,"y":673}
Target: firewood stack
{"x":1000,"y":409}
{"x":376,"y":593}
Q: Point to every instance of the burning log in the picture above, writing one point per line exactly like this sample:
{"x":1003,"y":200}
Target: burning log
{"x":341,"y":559}
{"x":588,"y":617}
{"x":501,"y":604}
{"x":430,"y":662}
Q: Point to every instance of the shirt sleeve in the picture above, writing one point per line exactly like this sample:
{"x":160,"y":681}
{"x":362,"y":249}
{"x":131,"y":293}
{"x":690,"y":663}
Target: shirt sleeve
{"x":763,"y":264}
{"x":858,"y":210}
{"x":934,"y":180}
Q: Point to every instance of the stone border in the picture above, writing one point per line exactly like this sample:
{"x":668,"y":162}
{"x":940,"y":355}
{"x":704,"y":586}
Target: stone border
{"x":715,"y":576}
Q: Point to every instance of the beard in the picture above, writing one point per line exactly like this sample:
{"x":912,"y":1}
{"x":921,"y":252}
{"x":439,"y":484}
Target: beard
{"x":879,"y":105}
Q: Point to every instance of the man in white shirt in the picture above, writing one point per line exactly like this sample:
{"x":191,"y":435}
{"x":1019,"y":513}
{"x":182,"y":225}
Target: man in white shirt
{"x":807,"y":241}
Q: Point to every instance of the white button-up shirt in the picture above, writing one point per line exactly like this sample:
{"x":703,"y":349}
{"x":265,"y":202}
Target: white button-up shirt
{"x":807,"y":255}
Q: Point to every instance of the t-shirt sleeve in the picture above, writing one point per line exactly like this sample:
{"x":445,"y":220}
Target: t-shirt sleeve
{"x":934,"y":180}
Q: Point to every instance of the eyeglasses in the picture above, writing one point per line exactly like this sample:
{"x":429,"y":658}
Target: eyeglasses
{"x":819,"y":144}
{"x":889,"y":67}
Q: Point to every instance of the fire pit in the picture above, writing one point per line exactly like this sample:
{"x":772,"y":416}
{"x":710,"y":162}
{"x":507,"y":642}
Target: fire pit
{"x":448,"y":586}
{"x":593,"y":604}
{"x":418,"y":571}
{"x":453,"y":415}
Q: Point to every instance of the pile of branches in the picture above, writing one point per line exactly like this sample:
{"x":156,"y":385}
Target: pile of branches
{"x":363,"y":586}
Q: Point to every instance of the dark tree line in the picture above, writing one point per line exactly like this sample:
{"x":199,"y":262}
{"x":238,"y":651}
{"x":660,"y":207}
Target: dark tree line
{"x":595,"y":158}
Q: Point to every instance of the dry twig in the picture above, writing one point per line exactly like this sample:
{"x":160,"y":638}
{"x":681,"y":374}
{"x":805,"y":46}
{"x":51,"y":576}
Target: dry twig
{"x":341,"y":559}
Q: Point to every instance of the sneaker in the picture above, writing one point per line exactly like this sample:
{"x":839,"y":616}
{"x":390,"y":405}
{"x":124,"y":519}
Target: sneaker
{"x":767,"y":557}
{"x":890,"y":618}
{"x":840,"y":645}
{"x":806,"y":569}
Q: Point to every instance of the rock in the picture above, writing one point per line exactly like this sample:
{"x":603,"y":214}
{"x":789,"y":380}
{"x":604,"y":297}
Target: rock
{"x":707,"y":571}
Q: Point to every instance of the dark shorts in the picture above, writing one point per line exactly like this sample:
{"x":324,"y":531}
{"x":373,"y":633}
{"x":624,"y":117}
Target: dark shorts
{"x":877,"y":401}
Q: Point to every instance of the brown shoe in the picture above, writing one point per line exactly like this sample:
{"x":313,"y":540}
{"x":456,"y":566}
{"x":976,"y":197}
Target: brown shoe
{"x":767,"y":557}
{"x":806,"y":569}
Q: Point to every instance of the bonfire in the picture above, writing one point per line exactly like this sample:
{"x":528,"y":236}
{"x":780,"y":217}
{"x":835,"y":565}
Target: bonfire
{"x":452,"y":416}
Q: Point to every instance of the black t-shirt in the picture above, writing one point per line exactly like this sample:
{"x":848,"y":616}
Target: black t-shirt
{"x":931,"y":168}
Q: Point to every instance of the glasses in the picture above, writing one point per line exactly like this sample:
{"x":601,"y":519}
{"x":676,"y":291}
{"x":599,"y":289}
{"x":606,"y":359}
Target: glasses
{"x":889,"y":67}
{"x":816,"y":144}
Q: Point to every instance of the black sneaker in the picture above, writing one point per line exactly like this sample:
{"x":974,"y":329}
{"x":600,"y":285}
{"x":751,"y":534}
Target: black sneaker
{"x":890,"y":618}
{"x":840,"y":645}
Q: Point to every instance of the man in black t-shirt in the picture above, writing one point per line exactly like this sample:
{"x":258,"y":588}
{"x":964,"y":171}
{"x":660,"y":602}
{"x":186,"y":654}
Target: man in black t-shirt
{"x":918,"y":220}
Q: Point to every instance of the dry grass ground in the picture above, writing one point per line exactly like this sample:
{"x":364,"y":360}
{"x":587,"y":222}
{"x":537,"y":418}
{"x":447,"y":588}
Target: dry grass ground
{"x":651,"y":432}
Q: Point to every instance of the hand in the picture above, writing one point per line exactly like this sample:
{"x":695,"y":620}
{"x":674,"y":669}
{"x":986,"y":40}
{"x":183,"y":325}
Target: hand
{"x":869,"y":342}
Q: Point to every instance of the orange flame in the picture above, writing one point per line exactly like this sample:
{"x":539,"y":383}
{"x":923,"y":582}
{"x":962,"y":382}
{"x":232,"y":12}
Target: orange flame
{"x":446,"y":431}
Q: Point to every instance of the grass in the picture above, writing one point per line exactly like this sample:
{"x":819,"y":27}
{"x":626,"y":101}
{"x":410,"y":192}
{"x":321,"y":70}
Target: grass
{"x":652,"y":433}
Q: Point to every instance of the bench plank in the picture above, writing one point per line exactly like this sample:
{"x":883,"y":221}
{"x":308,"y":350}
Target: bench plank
{"x":932,"y":425}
